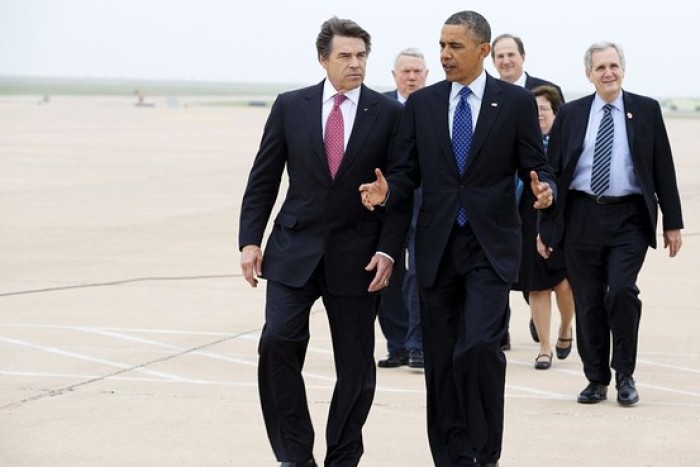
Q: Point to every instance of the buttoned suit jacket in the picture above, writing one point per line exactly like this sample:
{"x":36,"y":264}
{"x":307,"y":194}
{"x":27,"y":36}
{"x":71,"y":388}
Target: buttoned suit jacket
{"x":321,"y":219}
{"x":651,"y":157}
{"x":507,"y":138}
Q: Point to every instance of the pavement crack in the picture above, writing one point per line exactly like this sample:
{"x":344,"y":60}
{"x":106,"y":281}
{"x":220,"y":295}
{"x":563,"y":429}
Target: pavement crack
{"x":119,"y":282}
{"x":73,"y":387}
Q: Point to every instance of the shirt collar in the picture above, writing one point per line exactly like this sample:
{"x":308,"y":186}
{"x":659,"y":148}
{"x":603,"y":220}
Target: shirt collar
{"x":329,"y":91}
{"x":477,"y":87}
{"x":598,"y":102}
{"x":521,"y":81}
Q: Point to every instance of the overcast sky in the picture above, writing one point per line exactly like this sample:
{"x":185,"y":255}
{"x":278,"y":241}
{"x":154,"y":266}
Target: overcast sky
{"x":273,"y":40}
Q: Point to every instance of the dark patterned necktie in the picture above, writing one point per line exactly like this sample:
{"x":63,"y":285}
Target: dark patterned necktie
{"x":334,"y":138}
{"x":462,"y":141}
{"x":600,"y":173}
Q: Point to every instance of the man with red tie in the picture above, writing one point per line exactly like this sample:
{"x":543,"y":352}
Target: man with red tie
{"x":329,"y":138}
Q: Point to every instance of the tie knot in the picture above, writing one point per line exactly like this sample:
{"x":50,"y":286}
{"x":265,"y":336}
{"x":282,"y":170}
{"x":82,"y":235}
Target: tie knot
{"x":464,"y":92}
{"x":339,"y":99}
{"x":607,"y":108}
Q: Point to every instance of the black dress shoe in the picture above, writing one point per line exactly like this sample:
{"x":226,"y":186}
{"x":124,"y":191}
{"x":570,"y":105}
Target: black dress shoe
{"x":593,"y":394}
{"x":563,"y":352}
{"x":543,"y":361}
{"x":393,"y":361}
{"x":488,"y":464}
{"x":505,"y":343}
{"x":533,"y":331}
{"x":626,"y":391}
{"x":310,"y":463}
{"x":415,"y":358}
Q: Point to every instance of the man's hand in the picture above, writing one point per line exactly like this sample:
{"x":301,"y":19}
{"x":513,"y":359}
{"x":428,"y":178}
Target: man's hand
{"x":672,"y":241}
{"x":251,"y":263}
{"x":543,"y":249}
{"x":384,"y":267}
{"x":542,"y":190}
{"x":374,"y":193}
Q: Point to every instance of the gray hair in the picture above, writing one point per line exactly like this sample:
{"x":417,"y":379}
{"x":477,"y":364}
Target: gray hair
{"x":599,"y":47}
{"x":476,"y":25}
{"x":409,"y":52}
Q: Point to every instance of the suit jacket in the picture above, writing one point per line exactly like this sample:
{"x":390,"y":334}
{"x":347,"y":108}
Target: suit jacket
{"x":507,"y":138}
{"x":531,"y":83}
{"x":321,"y":219}
{"x":392,"y":94}
{"x":650,"y":151}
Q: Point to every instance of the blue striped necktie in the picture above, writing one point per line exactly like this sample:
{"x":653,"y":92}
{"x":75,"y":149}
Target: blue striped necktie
{"x":600,"y":173}
{"x":462,"y":141}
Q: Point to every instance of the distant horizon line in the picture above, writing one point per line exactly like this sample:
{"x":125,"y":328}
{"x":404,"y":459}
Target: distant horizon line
{"x":77,"y":85}
{"x":39,"y":84}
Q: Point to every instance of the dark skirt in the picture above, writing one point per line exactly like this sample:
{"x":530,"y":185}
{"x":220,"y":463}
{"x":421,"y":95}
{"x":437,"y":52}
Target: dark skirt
{"x":537,"y":273}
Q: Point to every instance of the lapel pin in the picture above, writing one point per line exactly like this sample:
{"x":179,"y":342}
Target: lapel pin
{"x":629,"y":115}
{"x":494,"y":104}
{"x":365,"y":109}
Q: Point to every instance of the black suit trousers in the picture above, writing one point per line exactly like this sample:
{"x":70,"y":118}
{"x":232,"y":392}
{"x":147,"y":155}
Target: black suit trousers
{"x":605,"y":247}
{"x":464,"y":318}
{"x":282,"y":351}
{"x":393,"y":313}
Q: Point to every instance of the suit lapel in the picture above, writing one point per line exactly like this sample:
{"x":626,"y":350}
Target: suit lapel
{"x":580,"y":117}
{"x":439,"y":110}
{"x":491,"y":105}
{"x":311,"y":109}
{"x":367,"y":111}
{"x":630,"y":111}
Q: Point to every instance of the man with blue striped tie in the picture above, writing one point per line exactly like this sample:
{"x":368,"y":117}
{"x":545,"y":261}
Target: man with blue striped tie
{"x":614,"y":165}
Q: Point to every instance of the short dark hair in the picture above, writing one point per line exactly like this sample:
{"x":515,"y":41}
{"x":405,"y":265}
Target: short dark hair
{"x":551,"y":94}
{"x":476,"y":25}
{"x":518,"y":42}
{"x":339,"y":27}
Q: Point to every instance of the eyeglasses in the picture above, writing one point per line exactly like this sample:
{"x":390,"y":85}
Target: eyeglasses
{"x":543,"y":108}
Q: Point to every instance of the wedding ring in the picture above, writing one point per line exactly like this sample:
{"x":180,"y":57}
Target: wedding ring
{"x":386,"y":283}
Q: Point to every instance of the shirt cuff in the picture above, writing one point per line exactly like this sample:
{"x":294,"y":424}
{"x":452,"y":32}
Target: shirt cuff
{"x":386,"y":256}
{"x":386,"y":200}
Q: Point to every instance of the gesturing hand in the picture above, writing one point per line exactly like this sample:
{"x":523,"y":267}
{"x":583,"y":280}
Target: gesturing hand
{"x":542,"y":191}
{"x":375,"y":192}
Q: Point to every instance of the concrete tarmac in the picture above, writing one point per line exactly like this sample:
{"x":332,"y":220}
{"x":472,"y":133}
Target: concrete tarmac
{"x":128,"y":336}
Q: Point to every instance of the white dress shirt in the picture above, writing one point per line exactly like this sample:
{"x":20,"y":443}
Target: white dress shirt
{"x":623,"y":179}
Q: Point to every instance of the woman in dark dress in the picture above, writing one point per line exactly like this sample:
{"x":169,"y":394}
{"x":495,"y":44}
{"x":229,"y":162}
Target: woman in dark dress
{"x":539,"y":277}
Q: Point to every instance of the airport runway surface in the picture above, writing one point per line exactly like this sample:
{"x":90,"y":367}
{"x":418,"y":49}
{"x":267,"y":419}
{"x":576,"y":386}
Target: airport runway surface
{"x":128,"y":336}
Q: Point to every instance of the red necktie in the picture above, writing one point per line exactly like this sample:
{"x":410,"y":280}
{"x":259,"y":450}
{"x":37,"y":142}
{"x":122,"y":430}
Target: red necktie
{"x":335,"y":135}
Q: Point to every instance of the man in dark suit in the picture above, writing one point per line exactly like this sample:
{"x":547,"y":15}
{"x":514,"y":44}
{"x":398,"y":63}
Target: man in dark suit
{"x":399,"y":308}
{"x":615,"y":168}
{"x":329,"y":137}
{"x":468,"y":237}
{"x":508,"y":55}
